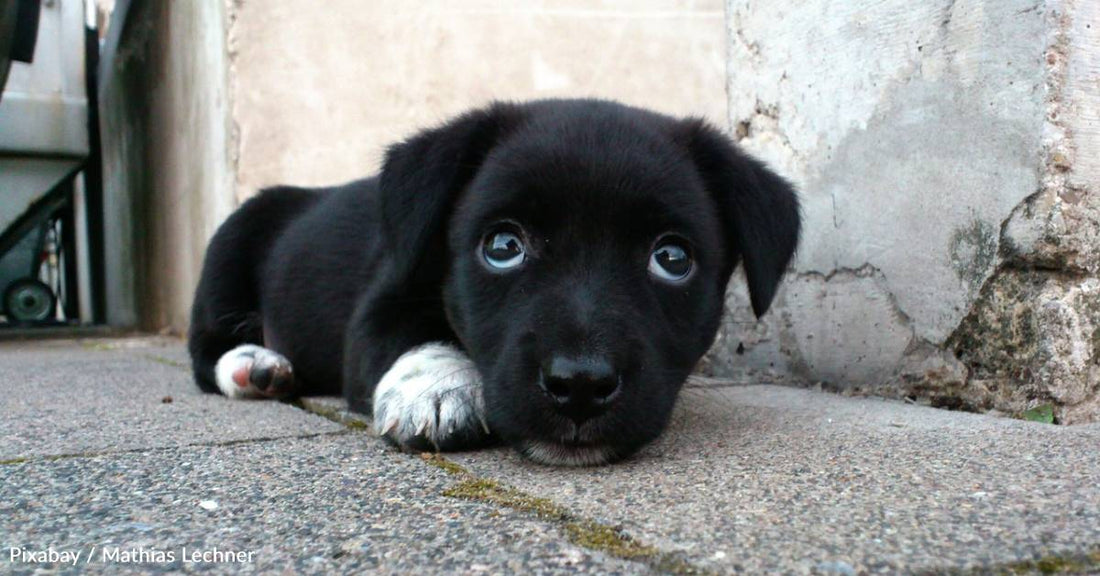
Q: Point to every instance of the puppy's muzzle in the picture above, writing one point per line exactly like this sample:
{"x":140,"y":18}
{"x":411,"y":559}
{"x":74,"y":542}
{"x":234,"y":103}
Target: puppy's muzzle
{"x":580,"y":387}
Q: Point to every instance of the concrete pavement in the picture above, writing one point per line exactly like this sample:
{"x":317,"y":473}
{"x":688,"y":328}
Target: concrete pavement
{"x":108,"y":450}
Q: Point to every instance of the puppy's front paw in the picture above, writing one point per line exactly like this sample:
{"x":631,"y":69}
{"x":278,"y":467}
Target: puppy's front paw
{"x":251,"y":371}
{"x":431,"y":399}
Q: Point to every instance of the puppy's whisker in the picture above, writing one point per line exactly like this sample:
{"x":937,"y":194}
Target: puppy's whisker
{"x":229,"y":316}
{"x":241,"y":326}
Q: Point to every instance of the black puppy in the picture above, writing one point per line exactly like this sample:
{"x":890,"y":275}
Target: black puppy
{"x":548,"y":273}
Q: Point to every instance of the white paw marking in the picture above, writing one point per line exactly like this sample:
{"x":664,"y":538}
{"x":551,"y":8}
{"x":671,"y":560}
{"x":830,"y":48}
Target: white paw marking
{"x":245,"y":356}
{"x":430,"y":393}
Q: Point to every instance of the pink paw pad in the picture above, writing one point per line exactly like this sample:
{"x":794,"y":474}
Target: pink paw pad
{"x":240,"y":375}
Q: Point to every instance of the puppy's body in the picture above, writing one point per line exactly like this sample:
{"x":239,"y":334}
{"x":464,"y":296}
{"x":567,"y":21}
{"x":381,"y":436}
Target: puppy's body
{"x":550,"y":272}
{"x":284,"y":271}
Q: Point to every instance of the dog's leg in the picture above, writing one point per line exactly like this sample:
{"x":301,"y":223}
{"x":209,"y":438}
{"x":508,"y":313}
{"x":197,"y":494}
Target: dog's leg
{"x":250,"y":371}
{"x":226,"y":313}
{"x":431,"y":399}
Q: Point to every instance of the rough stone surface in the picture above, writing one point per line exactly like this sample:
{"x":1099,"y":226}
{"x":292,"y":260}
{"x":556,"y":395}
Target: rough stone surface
{"x":941,"y":149}
{"x":338,"y":504}
{"x":757,"y":479}
{"x":63,"y":398}
{"x":302,"y":493}
{"x":765,"y":479}
{"x":1034,"y":338}
{"x":1059,"y":227}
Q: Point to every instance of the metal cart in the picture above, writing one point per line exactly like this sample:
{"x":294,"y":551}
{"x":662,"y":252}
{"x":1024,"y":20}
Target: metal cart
{"x":44,"y":146}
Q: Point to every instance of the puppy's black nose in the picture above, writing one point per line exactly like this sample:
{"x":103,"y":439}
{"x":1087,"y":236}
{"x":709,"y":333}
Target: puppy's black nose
{"x":582,"y":387}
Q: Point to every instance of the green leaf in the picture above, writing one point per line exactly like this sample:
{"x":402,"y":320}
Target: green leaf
{"x":1044,"y":414}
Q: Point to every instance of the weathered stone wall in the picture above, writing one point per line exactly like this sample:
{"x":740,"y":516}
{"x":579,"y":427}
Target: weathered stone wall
{"x":948,"y":155}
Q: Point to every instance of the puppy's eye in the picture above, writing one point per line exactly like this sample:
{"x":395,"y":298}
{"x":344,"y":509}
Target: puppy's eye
{"x":670,"y":261}
{"x":503,"y":250}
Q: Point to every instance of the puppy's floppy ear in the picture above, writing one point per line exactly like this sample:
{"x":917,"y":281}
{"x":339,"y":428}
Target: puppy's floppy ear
{"x":760,"y":209}
{"x":423,"y":176}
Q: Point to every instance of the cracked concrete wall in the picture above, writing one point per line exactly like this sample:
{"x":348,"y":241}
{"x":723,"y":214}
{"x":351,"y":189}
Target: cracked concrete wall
{"x":947,"y":156}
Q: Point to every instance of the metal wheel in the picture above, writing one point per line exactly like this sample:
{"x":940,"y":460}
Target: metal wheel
{"x":29,"y":300}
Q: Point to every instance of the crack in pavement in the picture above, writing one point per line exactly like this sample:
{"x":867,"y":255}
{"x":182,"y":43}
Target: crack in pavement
{"x":215,"y":444}
{"x":1069,"y":562}
{"x":578,"y":530}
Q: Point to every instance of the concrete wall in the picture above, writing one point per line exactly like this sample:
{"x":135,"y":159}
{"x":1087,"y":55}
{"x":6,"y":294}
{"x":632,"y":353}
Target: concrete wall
{"x":319,"y":93}
{"x":947,"y":154}
{"x":168,"y":180}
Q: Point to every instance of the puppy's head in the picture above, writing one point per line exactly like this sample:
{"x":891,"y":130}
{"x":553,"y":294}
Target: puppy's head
{"x":583,"y":250}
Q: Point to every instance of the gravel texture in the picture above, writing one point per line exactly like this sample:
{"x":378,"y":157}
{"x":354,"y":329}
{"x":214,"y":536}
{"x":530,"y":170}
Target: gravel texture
{"x":334,"y":504}
{"x":63,"y":398}
{"x":768,"y":479}
{"x":752,"y":479}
